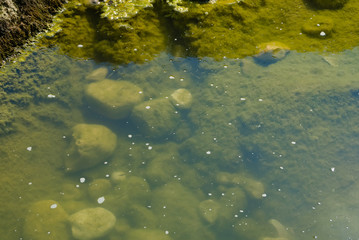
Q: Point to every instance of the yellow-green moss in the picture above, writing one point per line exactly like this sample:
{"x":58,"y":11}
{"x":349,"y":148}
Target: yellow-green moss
{"x":83,"y":33}
{"x":224,"y":28}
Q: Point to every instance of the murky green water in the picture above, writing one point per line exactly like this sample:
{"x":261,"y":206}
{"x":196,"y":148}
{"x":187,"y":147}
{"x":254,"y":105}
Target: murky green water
{"x":262,"y":153}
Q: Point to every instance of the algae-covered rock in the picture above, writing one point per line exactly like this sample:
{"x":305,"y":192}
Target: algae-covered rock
{"x":209,"y":210}
{"x":91,"y":223}
{"x":181,"y":98}
{"x":252,"y":187}
{"x":318,"y":26}
{"x":91,"y":145}
{"x":177,"y":207}
{"x":46,"y":220}
{"x":132,"y":190}
{"x":232,"y":200}
{"x":99,"y":187}
{"x":271,"y":52}
{"x":156,"y":118}
{"x":97,"y":74}
{"x":113,"y":99}
{"x":140,"y":216}
{"x":146,"y":234}
{"x":329,"y":3}
{"x":117,"y":177}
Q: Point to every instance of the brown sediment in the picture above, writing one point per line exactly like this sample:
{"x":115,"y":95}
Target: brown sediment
{"x":21,"y":19}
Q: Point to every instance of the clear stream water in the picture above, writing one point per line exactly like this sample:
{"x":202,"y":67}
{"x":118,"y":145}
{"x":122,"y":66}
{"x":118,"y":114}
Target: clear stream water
{"x":291,"y":126}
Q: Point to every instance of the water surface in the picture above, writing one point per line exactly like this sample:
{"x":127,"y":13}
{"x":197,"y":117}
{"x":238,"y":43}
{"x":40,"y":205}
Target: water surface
{"x":291,"y":126}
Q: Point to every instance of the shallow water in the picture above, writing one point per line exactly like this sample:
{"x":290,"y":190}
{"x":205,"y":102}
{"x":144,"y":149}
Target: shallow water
{"x":291,"y":126}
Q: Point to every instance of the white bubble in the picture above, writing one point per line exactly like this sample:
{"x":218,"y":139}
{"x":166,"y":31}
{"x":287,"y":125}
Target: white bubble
{"x":82,"y":180}
{"x":322,"y":34}
{"x":53,"y":206}
{"x":29,"y":149}
{"x":100,"y":200}
{"x":208,"y":152}
{"x":51,"y":96}
{"x":148,"y":107}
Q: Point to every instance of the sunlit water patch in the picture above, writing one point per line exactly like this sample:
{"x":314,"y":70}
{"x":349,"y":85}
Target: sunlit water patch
{"x":180,"y":148}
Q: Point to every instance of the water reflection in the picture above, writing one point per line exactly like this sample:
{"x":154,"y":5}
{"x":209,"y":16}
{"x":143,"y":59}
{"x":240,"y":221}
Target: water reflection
{"x":255,"y":152}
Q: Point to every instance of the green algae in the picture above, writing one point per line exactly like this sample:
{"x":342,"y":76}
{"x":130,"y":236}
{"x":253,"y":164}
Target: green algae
{"x":122,"y":32}
{"x":100,"y":36}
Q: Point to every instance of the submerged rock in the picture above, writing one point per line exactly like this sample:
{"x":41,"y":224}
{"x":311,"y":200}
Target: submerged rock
{"x":91,"y":145}
{"x":271,"y":52}
{"x":113,"y":99}
{"x":181,"y":98}
{"x":253,"y":188}
{"x":99,"y":187}
{"x":156,"y":118}
{"x":97,"y":74}
{"x":177,"y":207}
{"x":92,"y":223}
{"x":282,"y":232}
{"x":46,"y":220}
{"x":209,"y":210}
{"x":117,"y":177}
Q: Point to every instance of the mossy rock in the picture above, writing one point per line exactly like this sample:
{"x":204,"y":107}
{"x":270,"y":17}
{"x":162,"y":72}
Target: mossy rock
{"x":140,"y":216}
{"x":156,"y":118}
{"x":99,"y":187}
{"x":91,"y":145}
{"x":113,"y":99}
{"x":92,"y":223}
{"x":271,"y":52}
{"x":97,"y":74}
{"x":177,"y":208}
{"x":132,"y":190}
{"x":181,"y":98}
{"x":46,"y":220}
{"x":318,"y":26}
{"x":209,"y":210}
{"x":331,"y":4}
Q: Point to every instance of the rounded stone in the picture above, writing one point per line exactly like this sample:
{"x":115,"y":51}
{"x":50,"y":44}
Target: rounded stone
{"x":92,"y":223}
{"x":91,"y":145}
{"x":97,"y":74}
{"x":117,"y":177}
{"x":156,"y":118}
{"x":181,"y":98}
{"x":99,"y":187}
{"x":271,"y":52}
{"x":209,"y":210}
{"x":113,"y":99}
